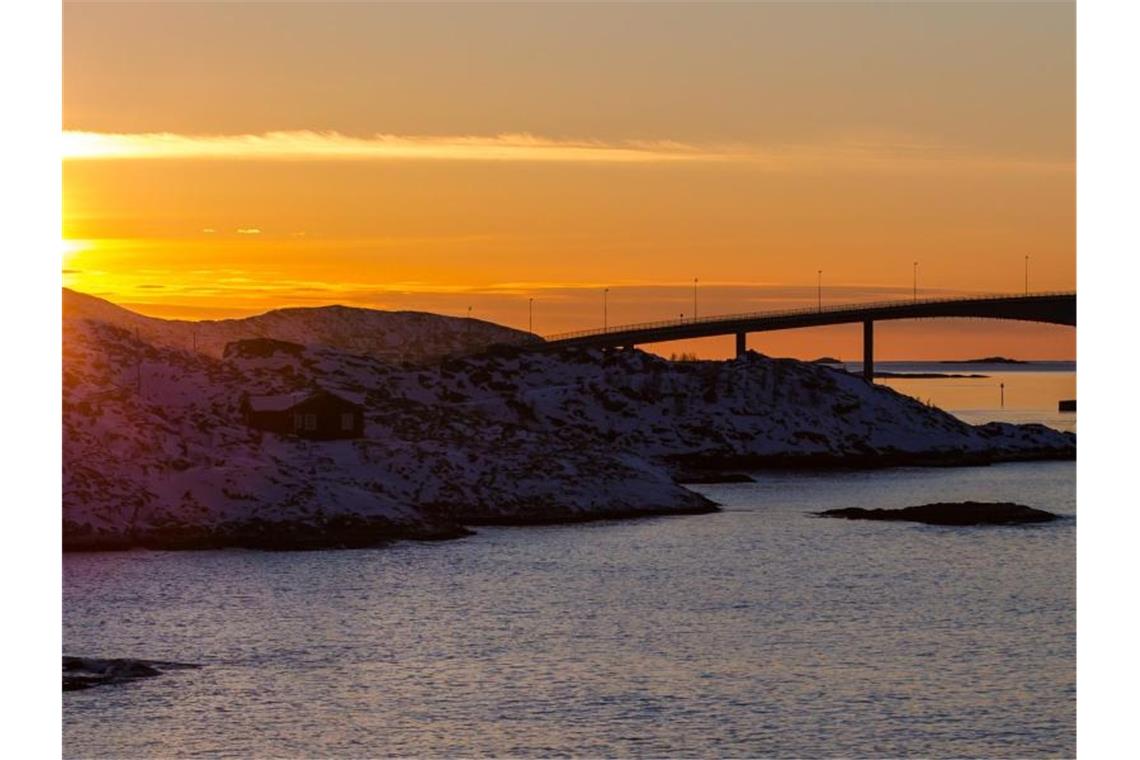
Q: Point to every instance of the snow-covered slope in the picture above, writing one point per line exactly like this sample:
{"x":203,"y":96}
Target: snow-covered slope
{"x":751,"y":411}
{"x":156,"y":452}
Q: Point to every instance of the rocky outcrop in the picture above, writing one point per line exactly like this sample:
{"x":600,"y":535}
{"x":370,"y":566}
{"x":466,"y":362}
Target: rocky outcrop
{"x":86,"y":672}
{"x":951,"y":513}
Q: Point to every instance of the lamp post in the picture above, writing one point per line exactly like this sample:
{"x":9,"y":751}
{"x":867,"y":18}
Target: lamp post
{"x":916,"y":281}
{"x":530,"y":315}
{"x":819,"y":289}
{"x":605,"y":309}
{"x":1027,"y":274}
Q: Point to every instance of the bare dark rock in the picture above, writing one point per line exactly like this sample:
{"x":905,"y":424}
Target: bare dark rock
{"x":951,"y":513}
{"x":87,"y":672}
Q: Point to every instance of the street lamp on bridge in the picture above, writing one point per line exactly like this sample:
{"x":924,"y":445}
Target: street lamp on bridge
{"x":694,"y":299}
{"x":1027,"y":274}
{"x":916,"y":281}
{"x":605,"y":309}
{"x":530,"y":315}
{"x":819,"y":289}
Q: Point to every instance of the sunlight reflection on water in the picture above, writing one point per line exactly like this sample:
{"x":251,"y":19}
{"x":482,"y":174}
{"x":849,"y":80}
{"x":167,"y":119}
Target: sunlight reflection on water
{"x":757,"y":631}
{"x":1030,"y":394}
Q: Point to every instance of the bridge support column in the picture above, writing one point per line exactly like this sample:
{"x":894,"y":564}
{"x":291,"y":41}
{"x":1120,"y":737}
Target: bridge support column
{"x":869,"y":351}
{"x":741,"y":344}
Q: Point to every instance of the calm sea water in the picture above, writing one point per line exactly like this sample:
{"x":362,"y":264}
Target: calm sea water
{"x":1030,"y":392}
{"x":760,"y":630}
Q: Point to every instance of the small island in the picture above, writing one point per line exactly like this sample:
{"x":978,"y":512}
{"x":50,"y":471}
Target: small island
{"x":950,"y":513}
{"x":87,"y":672}
{"x":985,"y":360}
{"x":929,"y":375}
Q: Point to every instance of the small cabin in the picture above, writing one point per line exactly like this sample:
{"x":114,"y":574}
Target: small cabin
{"x":316,"y":413}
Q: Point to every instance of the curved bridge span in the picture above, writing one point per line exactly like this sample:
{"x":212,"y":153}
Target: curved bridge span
{"x":1059,"y":308}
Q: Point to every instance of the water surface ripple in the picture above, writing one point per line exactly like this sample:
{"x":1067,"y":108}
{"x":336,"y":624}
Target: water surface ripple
{"x":756,"y":631}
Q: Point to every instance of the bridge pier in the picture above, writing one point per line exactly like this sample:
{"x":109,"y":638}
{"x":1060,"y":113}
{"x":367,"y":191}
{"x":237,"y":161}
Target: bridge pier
{"x":869,"y":351}
{"x":741,"y":344}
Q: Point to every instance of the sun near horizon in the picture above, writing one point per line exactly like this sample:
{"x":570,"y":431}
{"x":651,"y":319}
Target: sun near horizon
{"x":223,"y":160}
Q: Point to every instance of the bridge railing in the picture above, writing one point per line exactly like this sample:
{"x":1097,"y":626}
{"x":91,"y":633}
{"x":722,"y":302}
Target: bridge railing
{"x":840,"y":309}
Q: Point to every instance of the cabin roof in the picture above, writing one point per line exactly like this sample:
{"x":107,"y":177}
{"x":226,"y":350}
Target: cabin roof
{"x":283,"y":401}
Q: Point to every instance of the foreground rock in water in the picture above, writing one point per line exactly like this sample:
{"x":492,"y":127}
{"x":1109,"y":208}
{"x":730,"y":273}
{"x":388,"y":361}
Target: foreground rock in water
{"x":951,"y":513}
{"x":157,"y":452}
{"x":86,"y":672}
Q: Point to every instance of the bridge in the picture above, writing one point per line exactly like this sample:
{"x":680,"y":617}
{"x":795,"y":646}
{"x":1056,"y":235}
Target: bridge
{"x":1058,"y":308}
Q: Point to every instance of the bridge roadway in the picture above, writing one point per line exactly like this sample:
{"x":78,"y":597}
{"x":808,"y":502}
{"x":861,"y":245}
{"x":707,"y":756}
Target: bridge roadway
{"x":1058,"y":308}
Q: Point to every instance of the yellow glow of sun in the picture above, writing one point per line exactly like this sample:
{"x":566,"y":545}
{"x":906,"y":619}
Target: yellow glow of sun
{"x":69,"y":248}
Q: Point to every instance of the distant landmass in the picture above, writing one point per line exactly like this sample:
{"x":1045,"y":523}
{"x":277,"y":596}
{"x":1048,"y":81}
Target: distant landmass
{"x":826,"y":360}
{"x":985,"y":360}
{"x":927,"y":375}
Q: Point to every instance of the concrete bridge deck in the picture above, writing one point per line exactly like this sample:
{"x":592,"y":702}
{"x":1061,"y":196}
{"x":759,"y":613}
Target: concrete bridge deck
{"x":1059,"y":308}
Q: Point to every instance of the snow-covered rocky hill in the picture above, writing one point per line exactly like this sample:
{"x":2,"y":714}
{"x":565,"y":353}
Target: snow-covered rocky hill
{"x":156,"y":452}
{"x":394,"y":335}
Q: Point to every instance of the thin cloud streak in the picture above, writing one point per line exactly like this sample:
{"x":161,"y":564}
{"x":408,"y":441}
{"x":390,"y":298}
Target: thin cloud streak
{"x":884,"y":154}
{"x":310,"y":145}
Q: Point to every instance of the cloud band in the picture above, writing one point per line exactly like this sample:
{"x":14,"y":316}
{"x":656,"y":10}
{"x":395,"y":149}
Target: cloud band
{"x":883,"y":154}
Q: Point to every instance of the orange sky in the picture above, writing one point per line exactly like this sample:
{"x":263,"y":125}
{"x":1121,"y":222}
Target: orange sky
{"x":228,"y":158}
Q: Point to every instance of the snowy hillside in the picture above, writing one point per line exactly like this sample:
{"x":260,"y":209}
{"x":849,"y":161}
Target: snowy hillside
{"x":752,"y":411}
{"x":156,"y":451}
{"x":394,"y":335}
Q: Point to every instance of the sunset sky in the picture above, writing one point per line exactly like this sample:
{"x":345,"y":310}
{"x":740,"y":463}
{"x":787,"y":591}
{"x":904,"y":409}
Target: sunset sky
{"x":224,"y":159}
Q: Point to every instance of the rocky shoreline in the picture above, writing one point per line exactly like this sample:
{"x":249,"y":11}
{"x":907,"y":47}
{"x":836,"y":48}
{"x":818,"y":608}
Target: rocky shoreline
{"x":703,"y":468}
{"x":538,"y":516}
{"x":450,"y":523}
{"x":342,"y":532}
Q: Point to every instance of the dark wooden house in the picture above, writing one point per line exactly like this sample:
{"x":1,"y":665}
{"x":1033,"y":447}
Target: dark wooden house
{"x":315,"y":413}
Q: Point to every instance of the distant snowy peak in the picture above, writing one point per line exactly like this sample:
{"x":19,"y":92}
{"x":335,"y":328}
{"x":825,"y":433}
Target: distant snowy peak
{"x":395,"y":336}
